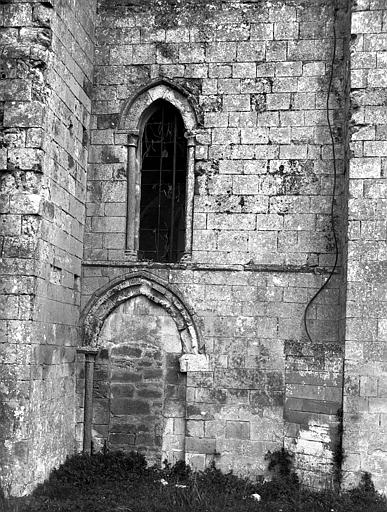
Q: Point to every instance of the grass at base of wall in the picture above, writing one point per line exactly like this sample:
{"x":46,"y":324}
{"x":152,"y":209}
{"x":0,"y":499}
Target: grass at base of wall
{"x":117,"y":482}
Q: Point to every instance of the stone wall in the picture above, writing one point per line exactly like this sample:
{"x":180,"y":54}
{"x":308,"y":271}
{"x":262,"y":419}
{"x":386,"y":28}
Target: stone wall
{"x":365,"y":401}
{"x":46,"y":73}
{"x":257,"y":75}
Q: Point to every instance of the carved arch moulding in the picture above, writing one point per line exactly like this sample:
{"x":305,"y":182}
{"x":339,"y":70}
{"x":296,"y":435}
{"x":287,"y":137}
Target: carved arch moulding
{"x":134,"y":115}
{"x":106,"y":299}
{"x":135,"y":108}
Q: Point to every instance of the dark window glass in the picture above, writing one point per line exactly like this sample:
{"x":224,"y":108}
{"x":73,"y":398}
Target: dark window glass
{"x":163,"y":186}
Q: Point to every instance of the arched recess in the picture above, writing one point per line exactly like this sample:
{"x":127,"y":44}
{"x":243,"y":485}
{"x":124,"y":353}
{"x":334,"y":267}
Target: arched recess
{"x":135,"y":113}
{"x":106,"y":299}
{"x":136,"y":400}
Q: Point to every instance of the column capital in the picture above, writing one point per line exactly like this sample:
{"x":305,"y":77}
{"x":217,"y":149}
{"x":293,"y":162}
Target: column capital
{"x":133,"y":138}
{"x":190,"y":139}
{"x":131,"y":254}
{"x":90,"y":352}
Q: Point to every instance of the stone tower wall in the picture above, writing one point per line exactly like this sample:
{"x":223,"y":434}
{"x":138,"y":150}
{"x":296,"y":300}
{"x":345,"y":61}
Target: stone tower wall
{"x":45,"y":85}
{"x":365,"y":400}
{"x":257,"y":75}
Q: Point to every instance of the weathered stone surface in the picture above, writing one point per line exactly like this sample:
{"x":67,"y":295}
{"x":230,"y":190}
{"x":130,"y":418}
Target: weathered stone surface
{"x":194,"y":363}
{"x":365,"y":340}
{"x":43,"y":107}
{"x":262,"y":245}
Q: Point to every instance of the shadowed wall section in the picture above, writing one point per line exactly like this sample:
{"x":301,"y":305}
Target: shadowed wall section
{"x":139,"y":393}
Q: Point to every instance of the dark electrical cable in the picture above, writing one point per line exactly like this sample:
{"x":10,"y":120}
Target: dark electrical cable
{"x":325,"y":284}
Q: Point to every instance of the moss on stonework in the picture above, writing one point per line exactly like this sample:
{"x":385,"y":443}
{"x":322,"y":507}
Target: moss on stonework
{"x":168,"y":51}
{"x":172,"y":13}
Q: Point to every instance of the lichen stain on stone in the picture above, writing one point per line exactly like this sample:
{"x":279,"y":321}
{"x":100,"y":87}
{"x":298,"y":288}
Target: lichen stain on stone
{"x":211,"y":103}
{"x":174,"y":13}
{"x":12,"y":414}
{"x":292,"y":177}
{"x":95,"y":191}
{"x":108,"y":157}
{"x":258,"y":102}
{"x":204,"y":174}
{"x":168,"y":51}
{"x":300,"y":174}
{"x":21,"y":181}
{"x":218,"y":395}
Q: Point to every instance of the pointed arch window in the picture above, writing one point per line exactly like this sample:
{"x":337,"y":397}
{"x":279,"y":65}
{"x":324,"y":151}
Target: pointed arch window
{"x":163,"y":151}
{"x":159,"y":125}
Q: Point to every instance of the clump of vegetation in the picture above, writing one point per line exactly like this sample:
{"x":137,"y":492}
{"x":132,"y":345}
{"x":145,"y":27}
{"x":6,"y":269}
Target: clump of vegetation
{"x":114,"y":481}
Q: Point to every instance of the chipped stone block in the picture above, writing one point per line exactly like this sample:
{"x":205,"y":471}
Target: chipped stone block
{"x":194,"y":363}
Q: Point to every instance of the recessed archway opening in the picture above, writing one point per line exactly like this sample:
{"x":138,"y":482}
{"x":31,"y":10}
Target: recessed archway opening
{"x":163,"y":185}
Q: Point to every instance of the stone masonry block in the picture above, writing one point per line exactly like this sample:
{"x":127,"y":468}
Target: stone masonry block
{"x":237,"y":430}
{"x":194,"y":363}
{"x":17,"y":15}
{"x":286,"y":84}
{"x":232,"y":33}
{"x":10,"y":224}
{"x":221,"y":52}
{"x":285,"y":30}
{"x":196,"y":461}
{"x":229,"y":86}
{"x":376,"y":42}
{"x":250,"y":51}
{"x":121,"y":55}
{"x":16,"y":90}
{"x":191,"y":52}
{"x":246,"y":185}
{"x":25,"y":203}
{"x":244,"y":70}
{"x":365,"y":22}
{"x":254,"y":136}
{"x":23,"y":114}
{"x":234,"y":102}
{"x":288,"y":69}
{"x":278,"y":101}
{"x":195,"y":428}
{"x":144,"y":54}
{"x":313,"y":50}
{"x":261,"y":31}
{"x":230,"y":221}
{"x":276,"y":51}
{"x":124,"y":406}
{"x":25,"y":158}
{"x":375,"y":148}
{"x":225,"y":136}
{"x":197,"y":445}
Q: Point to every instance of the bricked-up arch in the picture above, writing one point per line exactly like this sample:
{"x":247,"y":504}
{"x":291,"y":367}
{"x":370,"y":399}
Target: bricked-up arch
{"x":134,"y":115}
{"x":106,"y":299}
